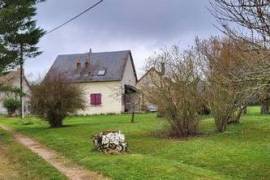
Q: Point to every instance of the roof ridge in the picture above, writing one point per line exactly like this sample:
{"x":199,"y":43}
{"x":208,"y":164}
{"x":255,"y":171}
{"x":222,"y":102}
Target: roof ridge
{"x":73,"y":54}
{"x":111,"y":51}
{"x":102,"y":52}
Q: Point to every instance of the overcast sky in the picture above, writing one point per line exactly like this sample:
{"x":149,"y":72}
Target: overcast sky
{"x":142,"y":26}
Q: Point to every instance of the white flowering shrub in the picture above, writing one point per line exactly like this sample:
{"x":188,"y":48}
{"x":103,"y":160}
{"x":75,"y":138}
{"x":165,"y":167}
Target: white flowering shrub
{"x":110,"y":142}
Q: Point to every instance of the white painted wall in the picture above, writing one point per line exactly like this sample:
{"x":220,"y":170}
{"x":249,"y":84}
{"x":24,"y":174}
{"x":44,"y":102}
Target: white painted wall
{"x":111,"y":97}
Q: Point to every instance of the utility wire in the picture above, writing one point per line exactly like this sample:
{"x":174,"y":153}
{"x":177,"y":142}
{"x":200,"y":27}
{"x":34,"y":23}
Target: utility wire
{"x":75,"y":17}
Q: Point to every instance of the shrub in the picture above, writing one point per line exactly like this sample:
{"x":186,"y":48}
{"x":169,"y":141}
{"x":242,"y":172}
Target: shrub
{"x":174,"y":89}
{"x":11,"y":104}
{"x":55,"y":98}
{"x":225,"y":62}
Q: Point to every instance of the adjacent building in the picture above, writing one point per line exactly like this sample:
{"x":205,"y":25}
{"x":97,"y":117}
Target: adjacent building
{"x":12,"y":79}
{"x":144,"y":82}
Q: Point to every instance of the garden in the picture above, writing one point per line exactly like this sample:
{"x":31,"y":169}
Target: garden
{"x":242,"y":152}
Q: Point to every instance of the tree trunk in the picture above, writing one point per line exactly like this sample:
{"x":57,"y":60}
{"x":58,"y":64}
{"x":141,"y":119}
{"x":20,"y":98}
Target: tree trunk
{"x":132,"y":117}
{"x":265,"y":107}
{"x":245,"y":110}
{"x":222,"y":127}
{"x":56,"y":123}
{"x":235,"y":119}
{"x":221,"y":124}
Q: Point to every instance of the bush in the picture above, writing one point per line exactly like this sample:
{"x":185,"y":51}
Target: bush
{"x":11,"y":104}
{"x":174,"y":89}
{"x":55,"y":98}
{"x":225,"y":62}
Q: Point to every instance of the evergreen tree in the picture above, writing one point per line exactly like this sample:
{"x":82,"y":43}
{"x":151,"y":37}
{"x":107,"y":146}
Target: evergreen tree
{"x":19,"y":34}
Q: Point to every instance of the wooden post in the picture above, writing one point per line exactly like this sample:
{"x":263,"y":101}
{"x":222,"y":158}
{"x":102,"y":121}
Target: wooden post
{"x":132,"y":103}
{"x":133,"y":116}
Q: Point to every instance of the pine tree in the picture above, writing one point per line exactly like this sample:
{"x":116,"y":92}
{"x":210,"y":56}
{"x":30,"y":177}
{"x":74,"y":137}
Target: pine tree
{"x":19,"y":35}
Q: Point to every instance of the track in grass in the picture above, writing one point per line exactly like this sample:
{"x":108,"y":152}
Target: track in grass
{"x":65,"y":166}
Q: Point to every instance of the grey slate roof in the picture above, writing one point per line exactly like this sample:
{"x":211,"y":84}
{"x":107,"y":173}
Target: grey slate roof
{"x":112,"y":62}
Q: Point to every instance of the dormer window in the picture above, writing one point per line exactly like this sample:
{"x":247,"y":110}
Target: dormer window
{"x":101,"y":72}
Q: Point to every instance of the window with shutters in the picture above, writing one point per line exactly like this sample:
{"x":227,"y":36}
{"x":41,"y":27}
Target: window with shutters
{"x":95,"y":99}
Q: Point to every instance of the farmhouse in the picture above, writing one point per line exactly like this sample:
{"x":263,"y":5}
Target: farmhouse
{"x":144,"y":82}
{"x":107,"y":79}
{"x":12,"y":79}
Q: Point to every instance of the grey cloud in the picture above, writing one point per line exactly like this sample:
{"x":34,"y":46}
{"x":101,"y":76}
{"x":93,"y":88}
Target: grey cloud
{"x":140,"y":25}
{"x":156,"y":19}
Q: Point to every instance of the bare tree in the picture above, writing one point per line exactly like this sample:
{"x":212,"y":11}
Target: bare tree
{"x":174,"y":89}
{"x":253,"y":17}
{"x":55,"y":98}
{"x":224,"y":63}
{"x":264,"y":99}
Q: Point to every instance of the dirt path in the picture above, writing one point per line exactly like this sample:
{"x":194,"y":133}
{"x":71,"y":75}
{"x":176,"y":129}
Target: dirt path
{"x":65,"y":166}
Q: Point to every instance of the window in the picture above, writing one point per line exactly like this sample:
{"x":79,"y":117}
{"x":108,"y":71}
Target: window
{"x":101,"y":72}
{"x":95,"y":99}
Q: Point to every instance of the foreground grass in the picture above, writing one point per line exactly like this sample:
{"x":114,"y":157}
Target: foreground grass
{"x":19,"y":163}
{"x":242,"y":152}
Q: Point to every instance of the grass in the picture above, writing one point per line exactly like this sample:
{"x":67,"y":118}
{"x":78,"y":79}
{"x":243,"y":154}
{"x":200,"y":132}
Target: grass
{"x":242,"y":152}
{"x":16,"y":162}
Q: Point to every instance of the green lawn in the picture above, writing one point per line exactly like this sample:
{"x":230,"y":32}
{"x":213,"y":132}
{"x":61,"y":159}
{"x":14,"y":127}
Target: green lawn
{"x":16,"y":162}
{"x":242,"y":152}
